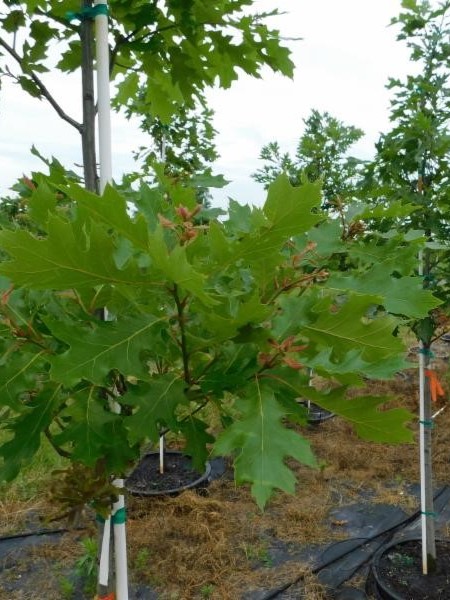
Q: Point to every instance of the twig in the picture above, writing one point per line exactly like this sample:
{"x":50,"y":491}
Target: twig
{"x":42,"y":88}
{"x":180,"y":304}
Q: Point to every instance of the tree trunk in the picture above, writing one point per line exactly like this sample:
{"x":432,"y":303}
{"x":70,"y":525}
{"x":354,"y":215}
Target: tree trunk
{"x":87,"y":82}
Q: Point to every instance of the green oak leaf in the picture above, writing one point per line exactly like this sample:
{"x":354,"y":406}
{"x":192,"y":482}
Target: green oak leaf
{"x":68,"y":257}
{"x":154,"y":404}
{"x":328,"y":237}
{"x":402,"y":296}
{"x":395,"y":208}
{"x":393,"y":253}
{"x":343,"y":325}
{"x":176,"y":267}
{"x":262,"y":443}
{"x":111,"y":209}
{"x":293,"y":215}
{"x":235,"y":363}
{"x":363,"y":412}
{"x":350,"y":328}
{"x":85,"y":418}
{"x":42,"y":202}
{"x":18,"y":372}
{"x":351,"y":367}
{"x":93,"y":352}
{"x":27,"y":428}
{"x":195,"y":432}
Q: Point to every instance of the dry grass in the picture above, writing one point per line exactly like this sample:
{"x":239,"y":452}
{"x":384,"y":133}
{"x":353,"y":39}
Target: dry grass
{"x":38,"y":571}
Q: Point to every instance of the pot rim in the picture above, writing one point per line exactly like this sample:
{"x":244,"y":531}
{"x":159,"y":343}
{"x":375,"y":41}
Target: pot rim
{"x":382,"y":584}
{"x":204,"y":477}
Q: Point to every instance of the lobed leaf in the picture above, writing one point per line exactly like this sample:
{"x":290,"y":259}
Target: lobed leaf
{"x":261,"y":444}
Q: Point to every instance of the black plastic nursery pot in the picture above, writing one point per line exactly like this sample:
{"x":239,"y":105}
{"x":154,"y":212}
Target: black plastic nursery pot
{"x":179,"y":475}
{"x":316,"y":414}
{"x":396,"y":572}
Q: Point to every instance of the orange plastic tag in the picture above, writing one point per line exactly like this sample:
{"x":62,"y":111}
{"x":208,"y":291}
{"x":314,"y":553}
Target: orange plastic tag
{"x":110,"y":596}
{"x":436,"y":388}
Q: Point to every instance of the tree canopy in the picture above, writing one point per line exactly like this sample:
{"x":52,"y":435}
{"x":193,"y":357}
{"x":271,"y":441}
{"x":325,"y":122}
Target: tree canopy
{"x":168,"y":50}
{"x":322,"y":154}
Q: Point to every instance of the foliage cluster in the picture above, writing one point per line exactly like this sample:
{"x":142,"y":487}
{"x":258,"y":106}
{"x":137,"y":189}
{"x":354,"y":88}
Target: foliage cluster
{"x":200,"y":310}
{"x":169,"y":51}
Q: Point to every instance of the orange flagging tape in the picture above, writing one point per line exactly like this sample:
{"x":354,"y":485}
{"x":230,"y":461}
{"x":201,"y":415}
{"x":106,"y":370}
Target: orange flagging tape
{"x":110,"y":596}
{"x":436,"y":388}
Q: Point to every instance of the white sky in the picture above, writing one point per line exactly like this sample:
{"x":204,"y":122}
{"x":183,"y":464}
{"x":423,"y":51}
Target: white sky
{"x":343,"y":62}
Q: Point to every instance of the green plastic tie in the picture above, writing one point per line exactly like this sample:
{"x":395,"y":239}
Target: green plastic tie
{"x":119,"y":517}
{"x":429,"y":424}
{"x":89,"y":12}
{"x":426,"y":352}
{"x":428,"y":514}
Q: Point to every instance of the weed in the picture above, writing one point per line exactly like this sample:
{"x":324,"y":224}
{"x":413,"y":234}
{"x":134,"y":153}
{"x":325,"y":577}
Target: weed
{"x":86,"y":565}
{"x":207,"y":590}
{"x":257,"y":552}
{"x":67,"y":587}
{"x":142,"y":558}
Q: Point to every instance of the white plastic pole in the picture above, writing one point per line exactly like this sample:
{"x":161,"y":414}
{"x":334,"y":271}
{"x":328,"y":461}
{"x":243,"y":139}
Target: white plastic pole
{"x":422,"y":446}
{"x":120,"y":545}
{"x":103,"y":571}
{"x":103,"y":97}
{"x":161,"y":454}
{"x":105,"y":157}
{"x":423,"y":502}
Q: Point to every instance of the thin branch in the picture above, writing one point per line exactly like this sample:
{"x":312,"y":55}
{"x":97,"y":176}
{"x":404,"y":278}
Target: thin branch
{"x":120,"y":41}
{"x":42,"y":89}
{"x":60,"y":20}
{"x":57,"y":449}
{"x":188,"y":416}
{"x":123,"y":40}
{"x":150,"y":34}
{"x":180,"y":304}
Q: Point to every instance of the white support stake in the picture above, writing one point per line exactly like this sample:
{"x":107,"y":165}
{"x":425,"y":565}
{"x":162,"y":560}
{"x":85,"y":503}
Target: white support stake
{"x":426,"y":475}
{"x":423,"y":502}
{"x":105,"y":157}
{"x":161,"y":454}
{"x":103,"y":570}
{"x":103,"y":97}
{"x":120,"y":545}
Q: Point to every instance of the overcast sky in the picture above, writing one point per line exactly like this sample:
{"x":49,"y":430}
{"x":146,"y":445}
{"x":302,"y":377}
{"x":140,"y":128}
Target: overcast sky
{"x":343,"y":62}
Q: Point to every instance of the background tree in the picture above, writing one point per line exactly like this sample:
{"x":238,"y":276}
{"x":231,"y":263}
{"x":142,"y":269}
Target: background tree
{"x":322,"y":153}
{"x":412,"y":160}
{"x":185,"y":146}
{"x":411,"y":167}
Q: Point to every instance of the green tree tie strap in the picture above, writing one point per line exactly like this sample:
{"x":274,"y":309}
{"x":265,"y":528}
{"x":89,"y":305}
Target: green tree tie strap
{"x":119,"y":517}
{"x":426,"y":352}
{"x":428,"y":514}
{"x":429,"y":424}
{"x":89,"y":12}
